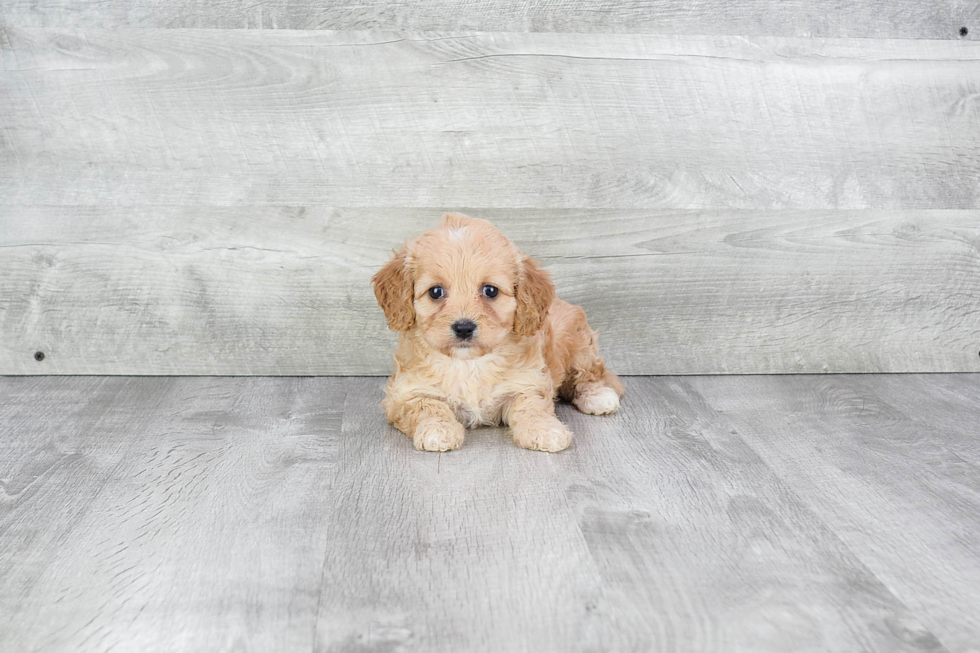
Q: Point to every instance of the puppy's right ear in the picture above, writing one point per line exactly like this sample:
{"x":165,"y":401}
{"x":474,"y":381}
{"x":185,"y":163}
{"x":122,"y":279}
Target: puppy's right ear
{"x":393,"y":286}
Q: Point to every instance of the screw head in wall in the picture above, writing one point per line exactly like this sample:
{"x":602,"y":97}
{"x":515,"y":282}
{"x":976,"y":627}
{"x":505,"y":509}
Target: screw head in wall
{"x":39,"y":356}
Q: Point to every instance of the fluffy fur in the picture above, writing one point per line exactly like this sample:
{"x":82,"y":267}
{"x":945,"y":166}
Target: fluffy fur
{"x":529,"y":347}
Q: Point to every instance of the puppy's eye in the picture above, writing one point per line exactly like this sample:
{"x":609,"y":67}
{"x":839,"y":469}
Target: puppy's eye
{"x":437,"y":292}
{"x":490,"y":291}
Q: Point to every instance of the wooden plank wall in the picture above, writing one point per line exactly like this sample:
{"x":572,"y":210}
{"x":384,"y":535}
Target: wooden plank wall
{"x":757,"y":187}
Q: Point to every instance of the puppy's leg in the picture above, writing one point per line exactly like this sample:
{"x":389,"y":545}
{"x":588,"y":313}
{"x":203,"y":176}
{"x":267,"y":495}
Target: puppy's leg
{"x":599,"y":397}
{"x":588,"y":384}
{"x":534,"y":424}
{"x":430,"y":423}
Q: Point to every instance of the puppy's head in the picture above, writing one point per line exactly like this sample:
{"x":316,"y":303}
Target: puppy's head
{"x":464,"y":287}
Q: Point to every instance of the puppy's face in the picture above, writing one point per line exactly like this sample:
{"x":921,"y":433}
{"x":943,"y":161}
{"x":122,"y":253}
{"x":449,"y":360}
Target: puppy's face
{"x":464,"y":287}
{"x":464,"y":290}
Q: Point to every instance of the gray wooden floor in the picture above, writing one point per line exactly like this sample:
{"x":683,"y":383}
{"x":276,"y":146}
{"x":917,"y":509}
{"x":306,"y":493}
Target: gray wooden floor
{"x":789,"y":513}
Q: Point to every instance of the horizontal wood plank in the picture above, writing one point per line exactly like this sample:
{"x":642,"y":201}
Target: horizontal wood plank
{"x":887,"y":477}
{"x":825,"y":18}
{"x":265,"y":117}
{"x":164,"y":514}
{"x":278,"y":514}
{"x":451,"y":553}
{"x":678,"y":509}
{"x":614,"y":544}
{"x":279,"y":290}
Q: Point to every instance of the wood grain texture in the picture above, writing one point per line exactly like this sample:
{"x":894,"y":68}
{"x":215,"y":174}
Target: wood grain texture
{"x":280,"y":514}
{"x":701,"y":547}
{"x":164,"y":515}
{"x":450,"y":553}
{"x":834,"y":18}
{"x":264,"y":117}
{"x":940,"y":403}
{"x":888,"y":478}
{"x":279,"y":290}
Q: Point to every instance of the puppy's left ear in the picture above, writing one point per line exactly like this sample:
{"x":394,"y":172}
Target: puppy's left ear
{"x":393,"y":286}
{"x":535,"y":292}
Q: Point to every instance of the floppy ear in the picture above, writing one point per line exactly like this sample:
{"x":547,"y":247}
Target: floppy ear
{"x":393,"y":286}
{"x":535,"y":292}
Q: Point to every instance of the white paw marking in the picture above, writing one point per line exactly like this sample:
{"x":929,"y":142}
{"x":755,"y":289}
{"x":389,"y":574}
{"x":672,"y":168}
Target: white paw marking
{"x":438,"y":435}
{"x":597,"y":401}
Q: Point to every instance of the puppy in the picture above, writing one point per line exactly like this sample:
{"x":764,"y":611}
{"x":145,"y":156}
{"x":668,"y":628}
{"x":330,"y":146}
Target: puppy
{"x":483,"y":340}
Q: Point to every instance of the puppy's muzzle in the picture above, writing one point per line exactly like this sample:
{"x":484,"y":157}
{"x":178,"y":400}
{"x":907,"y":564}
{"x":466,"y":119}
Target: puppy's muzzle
{"x":464,"y":329}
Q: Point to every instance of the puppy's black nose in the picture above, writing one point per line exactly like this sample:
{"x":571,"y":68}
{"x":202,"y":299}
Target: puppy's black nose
{"x":464,"y":329}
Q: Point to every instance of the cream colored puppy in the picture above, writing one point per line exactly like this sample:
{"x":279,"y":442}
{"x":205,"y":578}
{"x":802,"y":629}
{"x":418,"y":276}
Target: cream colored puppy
{"x":483,"y":340}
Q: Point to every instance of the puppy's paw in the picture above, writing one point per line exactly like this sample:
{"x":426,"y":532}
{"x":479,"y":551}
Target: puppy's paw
{"x":543,"y":435}
{"x":438,"y":435}
{"x":596,"y":400}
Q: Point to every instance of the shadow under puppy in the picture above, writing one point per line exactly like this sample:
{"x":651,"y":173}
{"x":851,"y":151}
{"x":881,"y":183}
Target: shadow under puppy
{"x":483,"y":340}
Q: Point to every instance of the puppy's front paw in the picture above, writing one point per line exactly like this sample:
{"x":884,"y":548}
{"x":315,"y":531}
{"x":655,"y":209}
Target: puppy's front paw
{"x":438,"y":435}
{"x":543,"y":435}
{"x":596,"y":400}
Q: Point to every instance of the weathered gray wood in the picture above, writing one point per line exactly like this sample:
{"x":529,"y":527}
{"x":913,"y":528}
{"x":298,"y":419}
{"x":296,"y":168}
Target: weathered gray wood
{"x":943,"y":403}
{"x":862,"y":18}
{"x":884,"y":477}
{"x":450,"y":553}
{"x":473,"y":550}
{"x":260,"y":117}
{"x":164,"y":515}
{"x":274,"y":290}
{"x":284,"y":514}
{"x":702,"y":547}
